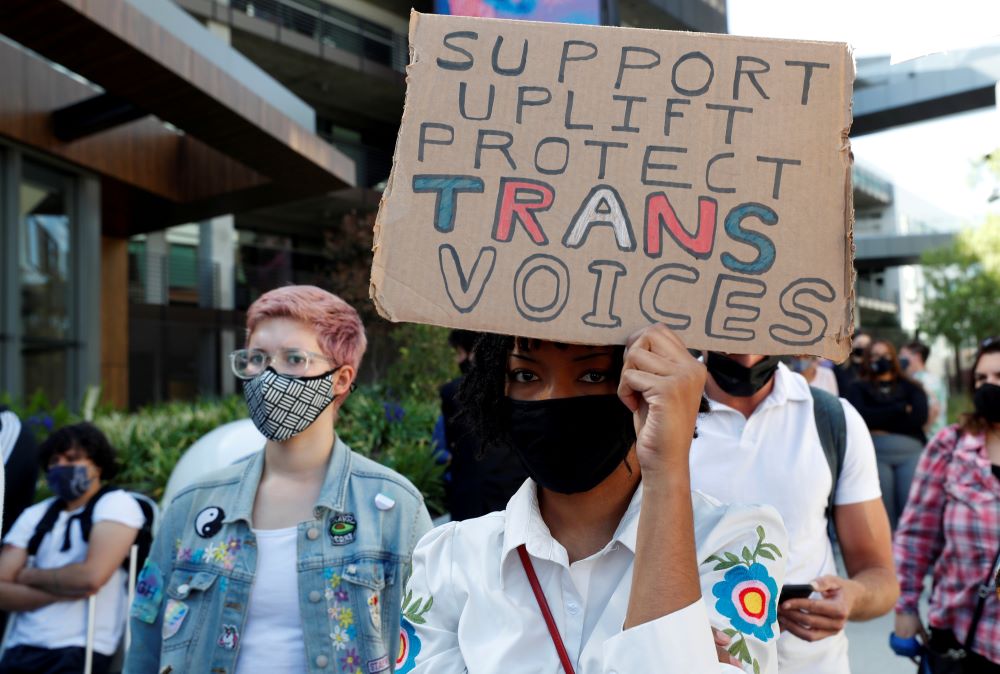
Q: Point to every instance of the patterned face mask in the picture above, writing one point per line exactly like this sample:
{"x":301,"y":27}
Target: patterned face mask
{"x":282,"y":406}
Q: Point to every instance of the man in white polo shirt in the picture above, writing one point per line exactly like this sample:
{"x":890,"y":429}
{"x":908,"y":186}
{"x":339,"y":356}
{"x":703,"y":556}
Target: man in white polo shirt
{"x":760,"y":444}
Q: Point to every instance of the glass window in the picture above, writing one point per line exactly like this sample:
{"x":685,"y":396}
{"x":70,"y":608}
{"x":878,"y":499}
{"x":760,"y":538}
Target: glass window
{"x":45,"y":273}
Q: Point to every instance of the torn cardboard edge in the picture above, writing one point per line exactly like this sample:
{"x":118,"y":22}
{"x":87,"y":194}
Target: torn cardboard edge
{"x":386,"y":289}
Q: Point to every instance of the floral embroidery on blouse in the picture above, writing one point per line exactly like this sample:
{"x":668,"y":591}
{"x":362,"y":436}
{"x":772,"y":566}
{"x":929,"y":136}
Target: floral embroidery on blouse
{"x":414,"y":609}
{"x":747,"y":596}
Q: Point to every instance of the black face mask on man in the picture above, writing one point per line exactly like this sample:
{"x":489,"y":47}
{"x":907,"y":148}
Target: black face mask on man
{"x":987,"y":402}
{"x":570,"y":445}
{"x":739,"y":380}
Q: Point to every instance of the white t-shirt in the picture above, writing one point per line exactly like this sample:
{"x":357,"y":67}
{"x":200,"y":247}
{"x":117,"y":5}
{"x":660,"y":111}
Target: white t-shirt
{"x":64,"y":623}
{"x":272,"y":639}
{"x":775,"y":457}
{"x":10,"y":431}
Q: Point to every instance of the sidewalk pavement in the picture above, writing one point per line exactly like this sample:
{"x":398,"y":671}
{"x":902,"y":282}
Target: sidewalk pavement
{"x":869,"y":648}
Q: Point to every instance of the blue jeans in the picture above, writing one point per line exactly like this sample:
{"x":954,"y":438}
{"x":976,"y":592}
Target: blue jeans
{"x":34,"y":660}
{"x":897,"y":457}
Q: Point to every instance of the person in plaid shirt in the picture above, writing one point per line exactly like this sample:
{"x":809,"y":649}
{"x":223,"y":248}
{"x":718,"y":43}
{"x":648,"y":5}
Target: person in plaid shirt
{"x":952,"y":523}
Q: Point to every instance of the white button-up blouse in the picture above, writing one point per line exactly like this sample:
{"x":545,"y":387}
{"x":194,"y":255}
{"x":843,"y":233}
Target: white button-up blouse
{"x":469,"y":606}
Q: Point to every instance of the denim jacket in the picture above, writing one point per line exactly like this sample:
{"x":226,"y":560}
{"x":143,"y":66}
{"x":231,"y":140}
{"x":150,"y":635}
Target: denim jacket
{"x":353,"y":561}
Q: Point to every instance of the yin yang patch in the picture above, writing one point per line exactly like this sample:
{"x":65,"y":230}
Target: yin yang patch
{"x":209,"y":521}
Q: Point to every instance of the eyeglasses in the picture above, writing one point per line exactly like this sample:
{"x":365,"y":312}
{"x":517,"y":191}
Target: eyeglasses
{"x":248,"y":363}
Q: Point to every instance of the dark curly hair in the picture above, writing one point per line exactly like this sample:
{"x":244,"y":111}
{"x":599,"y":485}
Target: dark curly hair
{"x":483,"y":390}
{"x":84,"y":436}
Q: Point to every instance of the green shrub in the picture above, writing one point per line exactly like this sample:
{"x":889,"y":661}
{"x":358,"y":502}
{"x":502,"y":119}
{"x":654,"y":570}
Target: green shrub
{"x":151,"y":440}
{"x":424,"y":363}
{"x":399,"y":435}
{"x":40,"y":416}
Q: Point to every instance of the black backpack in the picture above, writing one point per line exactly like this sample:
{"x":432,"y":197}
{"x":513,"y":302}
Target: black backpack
{"x":831,"y":423}
{"x":144,"y":539}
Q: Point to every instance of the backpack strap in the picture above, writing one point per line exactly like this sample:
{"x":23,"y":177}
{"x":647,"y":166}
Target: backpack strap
{"x":831,"y":424}
{"x":45,"y":525}
{"x":87,"y":516}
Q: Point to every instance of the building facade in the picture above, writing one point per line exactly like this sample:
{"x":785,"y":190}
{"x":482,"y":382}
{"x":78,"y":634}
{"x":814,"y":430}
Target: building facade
{"x":122,"y":119}
{"x":346,"y":59}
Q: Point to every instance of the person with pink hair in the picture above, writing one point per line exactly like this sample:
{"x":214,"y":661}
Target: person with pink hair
{"x":294,"y":559}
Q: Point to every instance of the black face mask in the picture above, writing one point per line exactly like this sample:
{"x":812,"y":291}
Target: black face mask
{"x":881,"y":366}
{"x":570,"y":445}
{"x":738,"y":380}
{"x":857,"y":354}
{"x":465,"y":366}
{"x":987,"y":402}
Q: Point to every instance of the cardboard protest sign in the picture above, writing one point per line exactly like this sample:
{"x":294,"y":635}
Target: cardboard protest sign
{"x":576,"y":183}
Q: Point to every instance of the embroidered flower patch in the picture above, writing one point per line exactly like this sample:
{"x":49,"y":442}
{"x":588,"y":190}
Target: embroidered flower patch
{"x":340,"y":638}
{"x":409,"y":648}
{"x":747,"y":596}
{"x":221,"y":554}
{"x":351,"y":660}
{"x":414,"y":609}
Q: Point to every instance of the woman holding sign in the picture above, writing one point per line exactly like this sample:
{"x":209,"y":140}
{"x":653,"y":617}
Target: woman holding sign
{"x":604,"y":561}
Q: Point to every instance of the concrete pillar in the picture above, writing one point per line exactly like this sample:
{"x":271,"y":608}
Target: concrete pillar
{"x":87,"y":305}
{"x":10,"y":274}
{"x":216,"y":290}
{"x":216,"y":276}
{"x":157,"y":265}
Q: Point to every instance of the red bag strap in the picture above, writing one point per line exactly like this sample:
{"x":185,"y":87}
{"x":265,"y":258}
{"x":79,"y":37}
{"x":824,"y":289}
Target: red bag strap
{"x":543,"y":605}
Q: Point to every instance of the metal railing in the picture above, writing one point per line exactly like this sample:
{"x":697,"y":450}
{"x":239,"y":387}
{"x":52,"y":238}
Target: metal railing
{"x":331,"y":26}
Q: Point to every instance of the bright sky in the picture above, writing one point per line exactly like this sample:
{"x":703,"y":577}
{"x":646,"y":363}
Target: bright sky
{"x":931,"y":159}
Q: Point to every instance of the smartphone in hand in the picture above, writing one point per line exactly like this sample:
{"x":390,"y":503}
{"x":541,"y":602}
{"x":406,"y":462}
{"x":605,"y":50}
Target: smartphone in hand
{"x":795,"y":592}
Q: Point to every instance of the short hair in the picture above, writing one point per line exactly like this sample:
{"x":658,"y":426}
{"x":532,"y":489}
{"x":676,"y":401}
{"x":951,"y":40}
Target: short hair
{"x":920,"y":349}
{"x":339,"y":330}
{"x":84,"y":436}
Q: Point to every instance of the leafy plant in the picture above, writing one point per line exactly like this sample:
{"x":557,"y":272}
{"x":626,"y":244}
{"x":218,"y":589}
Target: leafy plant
{"x":40,"y":416}
{"x":424,"y":362}
{"x":963,"y":288}
{"x":397,"y":434}
{"x":151,"y":440}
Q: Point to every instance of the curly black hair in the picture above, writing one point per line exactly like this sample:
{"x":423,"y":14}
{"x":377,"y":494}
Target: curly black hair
{"x":466,"y":339}
{"x":483,"y":389}
{"x":87,"y":437}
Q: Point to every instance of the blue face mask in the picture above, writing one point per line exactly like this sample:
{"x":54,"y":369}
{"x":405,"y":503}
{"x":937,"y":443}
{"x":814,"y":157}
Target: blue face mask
{"x":68,"y":482}
{"x":800,"y":365}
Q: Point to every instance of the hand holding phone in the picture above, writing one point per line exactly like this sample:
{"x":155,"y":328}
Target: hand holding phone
{"x":794,"y":591}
